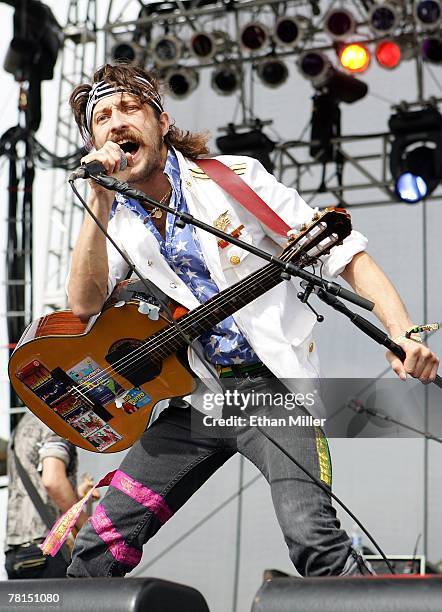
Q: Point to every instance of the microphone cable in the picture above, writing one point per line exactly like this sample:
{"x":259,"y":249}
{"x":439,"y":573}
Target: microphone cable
{"x":327,"y":490}
{"x":219,"y":382}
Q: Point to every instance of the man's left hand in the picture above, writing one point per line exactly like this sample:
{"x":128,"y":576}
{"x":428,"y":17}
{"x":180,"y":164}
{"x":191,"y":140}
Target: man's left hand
{"x":420,"y":361}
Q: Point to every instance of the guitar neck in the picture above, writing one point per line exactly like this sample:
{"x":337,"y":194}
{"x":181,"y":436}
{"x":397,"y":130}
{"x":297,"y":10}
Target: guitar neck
{"x":327,"y":230}
{"x":230,"y":300}
{"x":218,"y":308}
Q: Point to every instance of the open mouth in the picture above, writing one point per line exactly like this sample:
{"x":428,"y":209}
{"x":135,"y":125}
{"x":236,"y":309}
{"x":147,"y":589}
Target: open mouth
{"x":129,"y":146}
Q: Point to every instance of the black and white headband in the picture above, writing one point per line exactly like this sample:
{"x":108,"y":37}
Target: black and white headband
{"x":102,"y":89}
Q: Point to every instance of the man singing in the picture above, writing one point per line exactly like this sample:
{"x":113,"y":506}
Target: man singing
{"x":268,"y":340}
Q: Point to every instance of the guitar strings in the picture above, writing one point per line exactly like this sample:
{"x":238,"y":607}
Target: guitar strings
{"x":167,"y":334}
{"x":200,"y":312}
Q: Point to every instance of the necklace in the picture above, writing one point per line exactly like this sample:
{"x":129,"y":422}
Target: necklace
{"x":156,"y":212}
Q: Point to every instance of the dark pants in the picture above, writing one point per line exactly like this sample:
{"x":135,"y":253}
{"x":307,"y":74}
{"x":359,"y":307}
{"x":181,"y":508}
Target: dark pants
{"x":170,"y":462}
{"x":29,"y":562}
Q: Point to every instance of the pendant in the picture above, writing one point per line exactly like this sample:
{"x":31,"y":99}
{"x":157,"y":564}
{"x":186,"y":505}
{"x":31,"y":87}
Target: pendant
{"x":156,"y":213}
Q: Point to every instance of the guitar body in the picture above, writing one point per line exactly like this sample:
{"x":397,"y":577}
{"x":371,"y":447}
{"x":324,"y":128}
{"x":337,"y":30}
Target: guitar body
{"x":61,"y":372}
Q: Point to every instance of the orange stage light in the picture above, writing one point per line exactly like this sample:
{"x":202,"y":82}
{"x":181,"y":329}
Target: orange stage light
{"x":355,"y":57}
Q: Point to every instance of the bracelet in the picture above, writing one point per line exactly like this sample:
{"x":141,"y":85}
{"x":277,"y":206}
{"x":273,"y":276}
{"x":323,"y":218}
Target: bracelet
{"x":415,"y":337}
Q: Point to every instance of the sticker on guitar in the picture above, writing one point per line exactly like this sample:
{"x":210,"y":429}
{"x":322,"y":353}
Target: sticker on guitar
{"x":103,"y":388}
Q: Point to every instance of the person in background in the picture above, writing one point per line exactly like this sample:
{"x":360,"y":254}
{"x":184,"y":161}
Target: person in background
{"x":51,"y":464}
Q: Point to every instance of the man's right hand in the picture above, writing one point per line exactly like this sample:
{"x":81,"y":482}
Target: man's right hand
{"x":110,"y":157}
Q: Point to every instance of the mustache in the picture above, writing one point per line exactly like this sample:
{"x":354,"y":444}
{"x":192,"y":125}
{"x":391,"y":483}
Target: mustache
{"x":127,"y":135}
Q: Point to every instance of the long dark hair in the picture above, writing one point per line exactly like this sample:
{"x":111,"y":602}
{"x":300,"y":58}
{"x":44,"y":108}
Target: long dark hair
{"x":191,"y":145}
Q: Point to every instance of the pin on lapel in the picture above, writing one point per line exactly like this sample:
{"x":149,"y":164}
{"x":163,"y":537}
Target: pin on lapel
{"x":236,"y":233}
{"x":222,"y":222}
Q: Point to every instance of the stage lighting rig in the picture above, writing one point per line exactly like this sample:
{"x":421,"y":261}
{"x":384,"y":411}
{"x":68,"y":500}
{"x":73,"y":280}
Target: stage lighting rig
{"x":416,"y":153}
{"x":355,"y":57}
{"x":289,"y":31}
{"x":205,"y":45}
{"x":226,"y":78}
{"x":253,"y":143}
{"x":181,"y":82}
{"x":254,"y":36}
{"x":272,"y":71}
{"x":316,"y":66}
{"x":339,"y":24}
{"x":388,"y":54}
{"x":128,"y":51}
{"x":431,"y":50}
{"x":166,"y":50}
{"x":428,"y":14}
{"x":383,"y":18}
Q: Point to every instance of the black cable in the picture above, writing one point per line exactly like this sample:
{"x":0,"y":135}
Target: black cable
{"x":327,"y":490}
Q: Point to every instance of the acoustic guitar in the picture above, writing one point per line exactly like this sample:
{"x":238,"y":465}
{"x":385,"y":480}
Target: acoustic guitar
{"x":97,"y":383}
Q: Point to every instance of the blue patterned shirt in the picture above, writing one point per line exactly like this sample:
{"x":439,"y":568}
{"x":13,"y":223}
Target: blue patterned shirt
{"x":224,"y":344}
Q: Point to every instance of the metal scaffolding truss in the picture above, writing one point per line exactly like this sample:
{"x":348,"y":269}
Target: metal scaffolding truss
{"x":78,"y":59}
{"x":365,"y":179}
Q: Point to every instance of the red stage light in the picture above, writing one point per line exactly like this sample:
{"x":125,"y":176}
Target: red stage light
{"x":355,"y":57}
{"x":388,"y":54}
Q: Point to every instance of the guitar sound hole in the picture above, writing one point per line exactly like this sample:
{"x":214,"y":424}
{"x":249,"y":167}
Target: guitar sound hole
{"x":127,"y":359}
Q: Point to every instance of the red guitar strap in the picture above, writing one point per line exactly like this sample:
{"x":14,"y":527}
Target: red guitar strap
{"x":238,"y":189}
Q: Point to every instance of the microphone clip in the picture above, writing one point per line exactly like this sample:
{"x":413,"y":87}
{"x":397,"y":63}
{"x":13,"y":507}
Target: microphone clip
{"x":304,"y":297}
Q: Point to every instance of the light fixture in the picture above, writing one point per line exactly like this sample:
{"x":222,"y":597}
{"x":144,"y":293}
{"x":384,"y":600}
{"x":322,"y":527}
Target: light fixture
{"x":428,"y":13}
{"x":355,"y":57}
{"x":181,"y":82}
{"x":129,"y":52}
{"x":205,"y":45}
{"x":416,"y":153}
{"x":345,"y":87}
{"x":272,"y":72}
{"x":254,"y":36}
{"x":383,"y":18}
{"x":388,"y":54}
{"x":166,"y":50}
{"x":225,"y":78}
{"x":314,"y":65}
{"x":339,"y":24}
{"x":253,"y":143}
{"x":431,"y":50}
{"x":289,"y":31}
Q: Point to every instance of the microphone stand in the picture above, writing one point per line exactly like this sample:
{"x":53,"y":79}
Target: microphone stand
{"x":327,"y":291}
{"x":287,"y":269}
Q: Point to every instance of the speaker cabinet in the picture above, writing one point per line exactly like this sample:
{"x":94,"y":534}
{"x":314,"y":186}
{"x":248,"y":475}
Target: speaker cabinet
{"x":361,"y":594}
{"x":100,"y":595}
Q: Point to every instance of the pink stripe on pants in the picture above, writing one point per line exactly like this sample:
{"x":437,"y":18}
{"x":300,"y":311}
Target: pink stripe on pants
{"x":114,"y":540}
{"x":142,"y":494}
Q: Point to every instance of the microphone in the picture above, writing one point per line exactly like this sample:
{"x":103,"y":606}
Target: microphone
{"x":95,"y":167}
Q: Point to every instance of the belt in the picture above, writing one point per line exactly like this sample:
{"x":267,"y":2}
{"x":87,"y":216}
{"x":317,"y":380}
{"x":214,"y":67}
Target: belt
{"x":242,"y":370}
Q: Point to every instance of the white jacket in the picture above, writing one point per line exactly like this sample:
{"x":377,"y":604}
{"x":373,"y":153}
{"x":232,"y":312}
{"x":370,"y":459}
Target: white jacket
{"x":277,"y":325}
